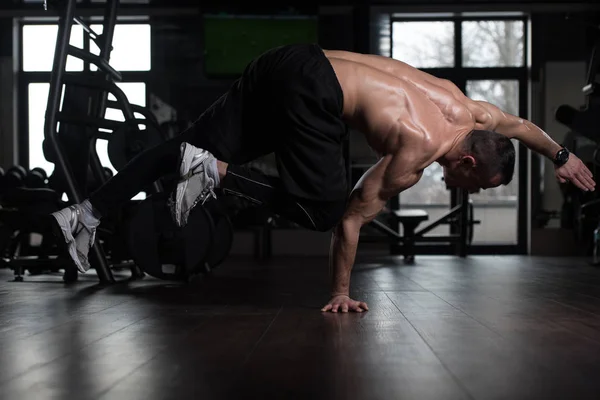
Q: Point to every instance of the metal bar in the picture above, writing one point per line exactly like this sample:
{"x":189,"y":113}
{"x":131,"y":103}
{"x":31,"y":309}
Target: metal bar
{"x":87,"y":28}
{"x":95,"y":165}
{"x":416,"y":240}
{"x":99,"y":108}
{"x":144,"y":111}
{"x":380,"y":226}
{"x":437,"y":239}
{"x":54,"y":96}
{"x":100,"y":123}
{"x":463,"y":223}
{"x":97,"y":61}
{"x":126,"y":10}
{"x":442,"y":220}
{"x":52,"y":109}
{"x":104,"y":86}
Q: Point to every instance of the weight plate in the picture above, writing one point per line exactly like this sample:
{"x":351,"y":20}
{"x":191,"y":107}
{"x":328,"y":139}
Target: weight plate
{"x":163,"y":250}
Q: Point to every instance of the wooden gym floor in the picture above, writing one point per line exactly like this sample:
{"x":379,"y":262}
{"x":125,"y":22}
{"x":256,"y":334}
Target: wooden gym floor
{"x":479,"y":328}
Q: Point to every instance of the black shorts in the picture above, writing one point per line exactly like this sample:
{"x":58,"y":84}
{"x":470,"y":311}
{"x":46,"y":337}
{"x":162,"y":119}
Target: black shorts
{"x":288,"y":102}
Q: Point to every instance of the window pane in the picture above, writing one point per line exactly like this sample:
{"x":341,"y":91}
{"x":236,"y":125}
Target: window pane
{"x":424,"y":44}
{"x":501,"y":93}
{"x":496,"y":208}
{"x":429,"y":190}
{"x":38,"y":99}
{"x":493,"y":43}
{"x":39,"y":43}
{"x":131,"y":47}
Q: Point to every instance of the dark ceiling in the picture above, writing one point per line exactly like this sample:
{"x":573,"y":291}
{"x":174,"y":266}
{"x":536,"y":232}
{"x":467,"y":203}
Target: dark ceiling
{"x":283,"y":4}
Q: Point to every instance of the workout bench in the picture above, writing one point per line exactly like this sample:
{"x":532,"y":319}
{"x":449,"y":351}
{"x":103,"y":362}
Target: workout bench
{"x":460,"y":218}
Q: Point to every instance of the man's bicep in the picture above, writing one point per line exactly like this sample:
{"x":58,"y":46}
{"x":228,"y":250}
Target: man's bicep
{"x":491,"y":117}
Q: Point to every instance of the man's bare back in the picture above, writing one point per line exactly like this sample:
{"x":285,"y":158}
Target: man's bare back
{"x":388,"y":105}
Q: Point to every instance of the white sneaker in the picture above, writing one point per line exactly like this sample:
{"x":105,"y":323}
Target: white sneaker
{"x":195,"y":185}
{"x":79,"y":236}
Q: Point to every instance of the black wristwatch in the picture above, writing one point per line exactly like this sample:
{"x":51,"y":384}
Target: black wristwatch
{"x":561,"y":157}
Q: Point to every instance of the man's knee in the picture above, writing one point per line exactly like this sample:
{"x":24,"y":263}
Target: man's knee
{"x":329,"y":215}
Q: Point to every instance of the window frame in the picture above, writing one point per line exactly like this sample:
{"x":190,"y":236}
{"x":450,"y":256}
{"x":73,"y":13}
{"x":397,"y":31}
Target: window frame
{"x":459,"y":75}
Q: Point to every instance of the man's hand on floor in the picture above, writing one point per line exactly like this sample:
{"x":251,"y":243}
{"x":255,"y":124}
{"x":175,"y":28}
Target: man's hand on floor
{"x":343,"y":303}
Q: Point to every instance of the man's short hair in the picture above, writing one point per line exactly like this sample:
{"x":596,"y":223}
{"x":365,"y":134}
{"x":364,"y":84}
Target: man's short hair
{"x":494,"y":154}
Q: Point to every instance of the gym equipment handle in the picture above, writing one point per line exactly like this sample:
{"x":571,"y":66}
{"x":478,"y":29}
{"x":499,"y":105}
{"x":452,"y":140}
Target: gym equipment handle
{"x":97,"y":61}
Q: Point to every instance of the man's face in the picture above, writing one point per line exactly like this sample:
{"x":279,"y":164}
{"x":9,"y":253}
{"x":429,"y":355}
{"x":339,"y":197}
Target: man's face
{"x":463,"y":174}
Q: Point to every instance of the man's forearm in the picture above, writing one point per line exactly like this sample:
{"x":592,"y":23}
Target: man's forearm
{"x":342,"y":255}
{"x":537,"y":140}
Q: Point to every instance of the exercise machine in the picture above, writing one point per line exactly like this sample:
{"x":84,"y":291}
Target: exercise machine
{"x":141,"y":236}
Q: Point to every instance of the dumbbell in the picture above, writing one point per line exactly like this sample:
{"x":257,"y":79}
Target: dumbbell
{"x":14,"y":177}
{"x":36,"y":178}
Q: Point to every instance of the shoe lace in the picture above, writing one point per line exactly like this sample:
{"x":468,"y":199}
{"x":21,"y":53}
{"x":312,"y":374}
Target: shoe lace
{"x":209,"y":190}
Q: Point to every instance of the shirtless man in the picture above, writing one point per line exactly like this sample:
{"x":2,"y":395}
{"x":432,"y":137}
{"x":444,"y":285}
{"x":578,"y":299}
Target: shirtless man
{"x":297,"y":102}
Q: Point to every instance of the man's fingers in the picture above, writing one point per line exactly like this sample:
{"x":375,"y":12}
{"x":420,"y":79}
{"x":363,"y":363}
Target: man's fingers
{"x":345,"y":307}
{"x":591,"y":184}
{"x":575,"y":180}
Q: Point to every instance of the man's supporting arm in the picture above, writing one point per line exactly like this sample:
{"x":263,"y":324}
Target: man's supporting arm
{"x":367,"y":200}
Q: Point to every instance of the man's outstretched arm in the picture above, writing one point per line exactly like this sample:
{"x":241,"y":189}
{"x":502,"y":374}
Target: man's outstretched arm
{"x":536,"y":139}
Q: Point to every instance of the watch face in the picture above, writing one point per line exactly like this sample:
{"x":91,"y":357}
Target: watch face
{"x":562,"y":156}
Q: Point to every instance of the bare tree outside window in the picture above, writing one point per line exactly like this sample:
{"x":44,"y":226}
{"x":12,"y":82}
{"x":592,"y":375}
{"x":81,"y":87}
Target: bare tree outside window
{"x":424,"y":44}
{"x":493,"y":43}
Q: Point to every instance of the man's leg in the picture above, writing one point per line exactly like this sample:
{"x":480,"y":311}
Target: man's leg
{"x":262,"y":189}
{"x":78,"y":222}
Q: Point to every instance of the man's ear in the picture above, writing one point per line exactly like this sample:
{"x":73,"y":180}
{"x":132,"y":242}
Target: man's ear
{"x":468,"y":161}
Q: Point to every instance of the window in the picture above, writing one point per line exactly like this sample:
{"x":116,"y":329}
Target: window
{"x":131,"y":52}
